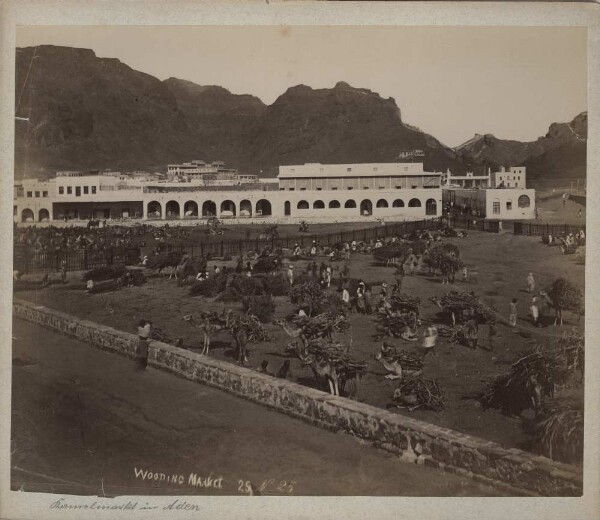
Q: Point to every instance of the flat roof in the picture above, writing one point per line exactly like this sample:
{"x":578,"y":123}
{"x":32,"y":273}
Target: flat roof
{"x":354,"y":170}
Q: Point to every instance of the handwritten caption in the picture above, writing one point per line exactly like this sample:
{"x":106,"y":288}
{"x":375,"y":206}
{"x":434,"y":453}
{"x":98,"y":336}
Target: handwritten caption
{"x":210,"y":481}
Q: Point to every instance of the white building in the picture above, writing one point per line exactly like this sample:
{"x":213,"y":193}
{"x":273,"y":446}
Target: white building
{"x":513,"y":177}
{"x":318,"y":192}
{"x":493,"y":203}
{"x":469,"y":180}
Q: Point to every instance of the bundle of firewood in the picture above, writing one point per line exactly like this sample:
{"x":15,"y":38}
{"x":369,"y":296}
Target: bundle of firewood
{"x":455,"y":334}
{"x":335,"y":354}
{"x":394,"y":324}
{"x":322,"y":325}
{"x":464,"y":306}
{"x":409,"y":361}
{"x":421,"y":393}
{"x":404,"y":302}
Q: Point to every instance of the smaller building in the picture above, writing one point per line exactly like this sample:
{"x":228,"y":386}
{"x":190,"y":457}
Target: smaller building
{"x":493,"y":203}
{"x":469,"y":180}
{"x":513,"y":177}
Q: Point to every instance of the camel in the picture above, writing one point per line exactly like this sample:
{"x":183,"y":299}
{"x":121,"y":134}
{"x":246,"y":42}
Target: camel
{"x":209,"y":324}
{"x":320,"y":367}
{"x":239,"y":331}
{"x":558,"y":318}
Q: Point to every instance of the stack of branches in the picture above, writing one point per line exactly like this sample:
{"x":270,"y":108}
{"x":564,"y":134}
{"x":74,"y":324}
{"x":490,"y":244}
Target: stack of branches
{"x":455,"y":334}
{"x":570,"y":352}
{"x":255,"y":330}
{"x":336,"y":354}
{"x":421,"y":393}
{"x":404,"y":302}
{"x":320,"y":326}
{"x":565,"y":295}
{"x":409,"y":361}
{"x":443,"y":256}
{"x":158,"y":334}
{"x":515,"y":391}
{"x":392,"y":254}
{"x":395,"y":324}
{"x":558,"y":433}
{"x":464,"y":306}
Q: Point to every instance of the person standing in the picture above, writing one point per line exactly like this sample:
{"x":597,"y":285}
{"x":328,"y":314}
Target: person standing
{"x":360,"y":298}
{"x":346,"y":297}
{"x":144,"y":331}
{"x":296,"y":252}
{"x":63,"y":271}
{"x":328,"y":273}
{"x":368,"y":304}
{"x":535,"y":311}
{"x":530,"y":283}
{"x":512,"y":317}
{"x":290,"y":275}
{"x":430,"y":339}
{"x":465,"y":274}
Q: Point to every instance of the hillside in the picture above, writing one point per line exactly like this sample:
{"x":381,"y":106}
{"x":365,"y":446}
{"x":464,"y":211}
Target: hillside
{"x":87,"y":112}
{"x":561,"y":153}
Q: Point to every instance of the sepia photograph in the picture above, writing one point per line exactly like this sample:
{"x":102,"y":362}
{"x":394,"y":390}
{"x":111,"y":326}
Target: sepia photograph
{"x":296,"y":260}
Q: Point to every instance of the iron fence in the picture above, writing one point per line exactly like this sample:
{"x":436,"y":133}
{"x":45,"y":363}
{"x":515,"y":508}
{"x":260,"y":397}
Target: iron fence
{"x":532,"y":229}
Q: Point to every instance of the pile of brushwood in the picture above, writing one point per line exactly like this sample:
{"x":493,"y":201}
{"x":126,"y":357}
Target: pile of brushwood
{"x":322,"y":325}
{"x":465,"y":306}
{"x":425,"y":394}
{"x":443,"y":258}
{"x":545,"y":369}
{"x":402,"y":311}
{"x":393,"y":253}
{"x":254,"y":329}
{"x":311,"y":297}
{"x":456,"y":334}
{"x":231,"y":287}
{"x":565,"y":295}
{"x":411,"y":362}
{"x":558,"y":433}
{"x":261,"y":306}
{"x":103,"y":273}
{"x":335,"y":354}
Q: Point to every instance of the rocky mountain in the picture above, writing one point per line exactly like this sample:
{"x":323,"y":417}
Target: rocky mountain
{"x":90,"y":112}
{"x":86,"y":112}
{"x":561,"y":153}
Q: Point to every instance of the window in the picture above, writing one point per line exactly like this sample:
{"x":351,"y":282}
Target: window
{"x":302,"y":205}
{"x":292,"y":189}
{"x":86,"y":190}
{"x":302,"y":189}
{"x":37,"y":194}
{"x":29,"y":194}
{"x":509,"y":205}
{"x":334,"y":188}
{"x":398,"y":187}
{"x":319,"y":204}
{"x":375,"y":169}
{"x":44,"y":194}
{"x":61,"y":190}
{"x":348,"y":169}
{"x":69,"y":190}
{"x":496,"y":207}
{"x":350,"y":188}
{"x":524,"y":201}
{"x":78,"y":191}
{"x":319,"y":189}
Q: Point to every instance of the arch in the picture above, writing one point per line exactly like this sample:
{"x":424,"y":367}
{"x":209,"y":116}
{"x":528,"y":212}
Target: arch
{"x":414,"y":203}
{"x":172,"y":209}
{"x":190,"y":208}
{"x":524,"y":201}
{"x":228,"y":208}
{"x":431,"y":207}
{"x":350,"y":203}
{"x":263,"y":206}
{"x":245,"y":208}
{"x":334,"y":204}
{"x":318,"y":204}
{"x":382,"y":203}
{"x":366,"y":207}
{"x":44,"y":215}
{"x":27,"y":215}
{"x":287,"y":208}
{"x":398,"y":203}
{"x":209,"y":209}
{"x":302,"y":205}
{"x":154,"y":209}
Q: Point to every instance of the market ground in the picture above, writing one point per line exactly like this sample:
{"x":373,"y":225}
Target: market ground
{"x":83,"y":420}
{"x":498,"y":265}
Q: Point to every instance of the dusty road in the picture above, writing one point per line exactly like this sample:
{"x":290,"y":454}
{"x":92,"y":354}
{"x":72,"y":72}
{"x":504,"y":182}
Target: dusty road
{"x":84,"y":422}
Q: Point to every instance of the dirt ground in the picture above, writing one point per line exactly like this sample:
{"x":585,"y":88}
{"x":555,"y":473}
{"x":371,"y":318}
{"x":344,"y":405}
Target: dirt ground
{"x":497,"y":263}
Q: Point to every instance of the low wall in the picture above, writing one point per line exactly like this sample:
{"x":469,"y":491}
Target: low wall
{"x":415,"y":441}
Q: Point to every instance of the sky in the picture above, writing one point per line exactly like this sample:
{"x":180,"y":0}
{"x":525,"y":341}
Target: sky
{"x":451,"y":82}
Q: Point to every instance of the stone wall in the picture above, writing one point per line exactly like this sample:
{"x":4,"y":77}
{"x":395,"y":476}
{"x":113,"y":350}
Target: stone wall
{"x":415,"y":441}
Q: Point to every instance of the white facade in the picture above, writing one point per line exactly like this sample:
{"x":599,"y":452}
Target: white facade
{"x":513,"y":177}
{"x":400,"y":191}
{"x":492,"y":203}
{"x":469,"y":180}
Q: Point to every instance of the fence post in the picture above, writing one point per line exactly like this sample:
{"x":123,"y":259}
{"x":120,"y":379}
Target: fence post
{"x":222,"y":248}
{"x":85,"y":258}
